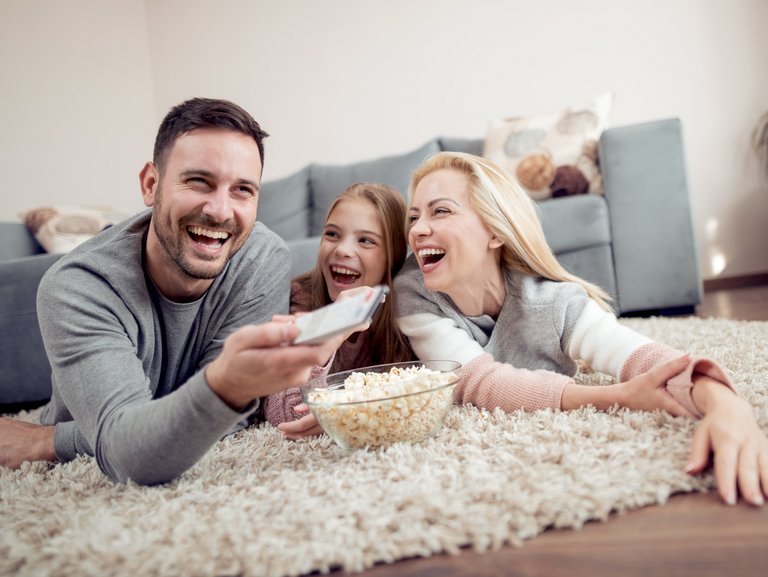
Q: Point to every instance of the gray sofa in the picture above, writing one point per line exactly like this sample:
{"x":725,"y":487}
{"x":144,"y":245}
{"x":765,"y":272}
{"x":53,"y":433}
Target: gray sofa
{"x":636,"y":241}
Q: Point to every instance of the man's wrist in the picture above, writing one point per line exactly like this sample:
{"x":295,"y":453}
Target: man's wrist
{"x":45,"y":449}
{"x":228,"y":394}
{"x":48,"y":445}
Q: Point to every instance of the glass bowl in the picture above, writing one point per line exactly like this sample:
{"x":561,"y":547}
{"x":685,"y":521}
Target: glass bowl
{"x":384,"y":404}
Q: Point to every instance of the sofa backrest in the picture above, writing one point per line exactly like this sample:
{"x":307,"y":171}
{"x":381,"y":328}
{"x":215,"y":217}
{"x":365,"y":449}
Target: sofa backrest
{"x":295,"y":207}
{"x":284,"y":205}
{"x":326,"y":182}
{"x":16,"y":241}
{"x":468,"y":145}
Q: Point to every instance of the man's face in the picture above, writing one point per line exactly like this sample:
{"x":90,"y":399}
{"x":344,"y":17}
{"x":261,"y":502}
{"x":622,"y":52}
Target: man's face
{"x":204,"y":207}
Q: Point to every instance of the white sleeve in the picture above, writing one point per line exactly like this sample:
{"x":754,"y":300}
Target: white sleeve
{"x":433,"y":337}
{"x":603,"y":342}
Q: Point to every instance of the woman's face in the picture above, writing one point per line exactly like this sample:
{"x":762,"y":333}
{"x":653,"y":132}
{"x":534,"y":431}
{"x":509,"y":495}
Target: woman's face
{"x":352,"y":251}
{"x":451,"y":242}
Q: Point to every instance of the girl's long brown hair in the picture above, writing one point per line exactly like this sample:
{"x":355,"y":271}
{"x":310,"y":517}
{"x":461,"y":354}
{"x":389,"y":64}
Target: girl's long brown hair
{"x":390,"y":345}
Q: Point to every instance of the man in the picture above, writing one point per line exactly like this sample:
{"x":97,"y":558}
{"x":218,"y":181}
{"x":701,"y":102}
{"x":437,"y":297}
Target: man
{"x":157,"y":328}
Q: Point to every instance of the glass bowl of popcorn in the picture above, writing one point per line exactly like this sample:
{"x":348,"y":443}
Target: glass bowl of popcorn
{"x":377,"y":406}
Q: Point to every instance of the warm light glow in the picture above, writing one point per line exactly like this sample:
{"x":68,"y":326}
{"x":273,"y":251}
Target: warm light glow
{"x":717,"y":262}
{"x":711,"y":227}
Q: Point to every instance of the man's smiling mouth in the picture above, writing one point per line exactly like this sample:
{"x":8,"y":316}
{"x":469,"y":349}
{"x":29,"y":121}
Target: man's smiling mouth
{"x":208,"y":236}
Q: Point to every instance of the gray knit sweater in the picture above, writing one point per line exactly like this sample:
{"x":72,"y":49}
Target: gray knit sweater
{"x":127,"y":364}
{"x":532,"y":330}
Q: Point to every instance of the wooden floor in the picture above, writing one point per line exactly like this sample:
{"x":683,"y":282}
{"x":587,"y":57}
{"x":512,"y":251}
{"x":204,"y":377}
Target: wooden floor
{"x":692,"y":535}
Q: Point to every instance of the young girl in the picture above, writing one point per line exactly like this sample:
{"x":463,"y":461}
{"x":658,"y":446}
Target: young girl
{"x":363,"y":244}
{"x":483,"y":288}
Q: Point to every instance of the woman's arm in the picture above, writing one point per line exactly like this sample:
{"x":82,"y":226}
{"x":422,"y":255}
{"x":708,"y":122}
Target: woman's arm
{"x":617,"y":350}
{"x":434,"y":337}
{"x":487,"y":383}
{"x":728,"y":429}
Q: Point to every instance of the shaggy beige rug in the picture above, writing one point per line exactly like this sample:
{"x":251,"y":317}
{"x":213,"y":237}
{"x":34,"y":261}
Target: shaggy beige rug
{"x":260,"y":505}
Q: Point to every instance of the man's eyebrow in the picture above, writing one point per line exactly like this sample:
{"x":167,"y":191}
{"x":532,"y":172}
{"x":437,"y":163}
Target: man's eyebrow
{"x":212,"y":176}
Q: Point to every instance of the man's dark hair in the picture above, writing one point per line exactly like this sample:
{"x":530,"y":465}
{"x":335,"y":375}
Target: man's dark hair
{"x":204,"y":113}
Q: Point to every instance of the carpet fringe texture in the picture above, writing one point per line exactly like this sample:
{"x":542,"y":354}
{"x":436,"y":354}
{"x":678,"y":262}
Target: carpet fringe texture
{"x":257,"y":504}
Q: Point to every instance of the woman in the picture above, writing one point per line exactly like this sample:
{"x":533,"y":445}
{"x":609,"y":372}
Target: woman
{"x":363,"y":245}
{"x":484,"y":288}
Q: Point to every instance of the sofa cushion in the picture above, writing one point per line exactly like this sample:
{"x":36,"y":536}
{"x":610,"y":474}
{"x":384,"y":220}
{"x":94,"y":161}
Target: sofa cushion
{"x":284,"y":205}
{"x":552,"y":154}
{"x":575,"y":222}
{"x":59,"y":229}
{"x":326,"y":182}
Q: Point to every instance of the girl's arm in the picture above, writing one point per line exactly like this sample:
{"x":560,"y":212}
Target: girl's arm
{"x":280,"y":407}
{"x":286,"y":409}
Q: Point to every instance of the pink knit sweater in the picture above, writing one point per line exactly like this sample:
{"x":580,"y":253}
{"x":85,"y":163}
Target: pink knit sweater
{"x":355,"y":352}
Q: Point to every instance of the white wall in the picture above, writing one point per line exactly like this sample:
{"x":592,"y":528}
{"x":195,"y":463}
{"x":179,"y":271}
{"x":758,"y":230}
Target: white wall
{"x":78,"y":111}
{"x":344,"y":80}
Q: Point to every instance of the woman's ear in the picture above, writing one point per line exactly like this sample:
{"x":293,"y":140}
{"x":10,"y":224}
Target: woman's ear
{"x":148,"y":180}
{"x":495,"y":242}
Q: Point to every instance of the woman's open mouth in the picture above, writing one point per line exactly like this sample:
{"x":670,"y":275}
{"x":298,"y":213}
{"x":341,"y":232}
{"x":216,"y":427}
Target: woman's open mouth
{"x":429,"y":257}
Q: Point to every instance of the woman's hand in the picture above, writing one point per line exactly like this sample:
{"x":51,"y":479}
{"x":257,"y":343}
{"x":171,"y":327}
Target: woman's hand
{"x":645,"y":392}
{"x":305,"y":426}
{"x":730,"y":433}
{"x":648,"y":391}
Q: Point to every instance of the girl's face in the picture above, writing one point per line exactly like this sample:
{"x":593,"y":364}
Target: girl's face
{"x":454,"y":247}
{"x":352,"y":251}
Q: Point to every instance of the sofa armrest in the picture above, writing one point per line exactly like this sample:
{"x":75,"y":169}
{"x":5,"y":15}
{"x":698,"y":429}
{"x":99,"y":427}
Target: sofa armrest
{"x":25,"y":374}
{"x":17,"y":241}
{"x":654,"y":248}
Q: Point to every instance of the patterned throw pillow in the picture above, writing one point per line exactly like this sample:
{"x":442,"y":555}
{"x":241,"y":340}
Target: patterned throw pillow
{"x":60,"y":229}
{"x":555,"y":154}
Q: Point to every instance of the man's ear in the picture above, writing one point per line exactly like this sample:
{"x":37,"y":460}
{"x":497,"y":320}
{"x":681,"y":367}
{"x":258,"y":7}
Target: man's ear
{"x":149,"y":180}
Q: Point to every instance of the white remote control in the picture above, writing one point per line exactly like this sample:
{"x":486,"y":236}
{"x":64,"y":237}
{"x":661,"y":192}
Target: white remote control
{"x":323,"y":323}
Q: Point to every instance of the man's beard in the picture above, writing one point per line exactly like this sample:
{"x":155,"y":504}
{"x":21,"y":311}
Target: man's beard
{"x":173,"y":244}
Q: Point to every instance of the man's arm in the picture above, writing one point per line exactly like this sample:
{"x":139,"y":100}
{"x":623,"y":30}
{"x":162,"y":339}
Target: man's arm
{"x":100,"y":341}
{"x":21,"y":441}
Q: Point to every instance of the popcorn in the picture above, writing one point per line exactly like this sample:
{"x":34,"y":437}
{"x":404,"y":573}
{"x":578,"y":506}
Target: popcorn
{"x":376,"y":409}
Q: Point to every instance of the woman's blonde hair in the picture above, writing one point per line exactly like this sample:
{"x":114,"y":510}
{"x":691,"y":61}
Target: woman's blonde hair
{"x":391,"y":344}
{"x":510,"y":214}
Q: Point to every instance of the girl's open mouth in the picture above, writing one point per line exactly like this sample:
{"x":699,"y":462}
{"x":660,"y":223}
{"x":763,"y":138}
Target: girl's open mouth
{"x":343,"y":275}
